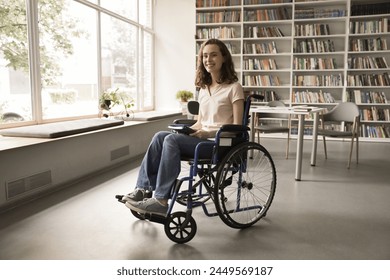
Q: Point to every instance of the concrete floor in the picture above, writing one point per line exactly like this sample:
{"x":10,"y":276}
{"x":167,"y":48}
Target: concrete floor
{"x":332,"y":214}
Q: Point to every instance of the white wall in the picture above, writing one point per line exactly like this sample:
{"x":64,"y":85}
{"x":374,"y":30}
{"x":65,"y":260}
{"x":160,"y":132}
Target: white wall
{"x":72,"y":158}
{"x":175,"y":50}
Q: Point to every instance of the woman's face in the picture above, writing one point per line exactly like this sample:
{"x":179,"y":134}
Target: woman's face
{"x":212,"y":58}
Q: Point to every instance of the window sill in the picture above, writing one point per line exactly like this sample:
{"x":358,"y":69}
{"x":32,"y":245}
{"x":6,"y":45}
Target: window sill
{"x":8,"y":143}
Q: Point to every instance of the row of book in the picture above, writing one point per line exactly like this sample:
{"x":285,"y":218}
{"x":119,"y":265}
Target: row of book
{"x":369,"y":26}
{"x":222,"y":32}
{"x":262,"y":31}
{"x":318,"y":80}
{"x":367,"y":62}
{"x":369,"y":44}
{"x":319,"y":13}
{"x":267,"y":14}
{"x":366,"y":97}
{"x":259,"y":64}
{"x":369,"y":80}
{"x":261,"y":80}
{"x":313,"y":46}
{"x":314,"y":29}
{"x":314,"y":63}
{"x":370,"y":9}
{"x":218,"y":17}
{"x":268,"y":95}
{"x":257,"y":2}
{"x":375,"y":114}
{"x":312,"y":97}
{"x":260,"y":48}
{"x":374,"y":131}
{"x":233,"y":48}
{"x":217,"y":3}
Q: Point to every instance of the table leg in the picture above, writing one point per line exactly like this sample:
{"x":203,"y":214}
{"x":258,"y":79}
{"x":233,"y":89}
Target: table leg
{"x":314,"y":145}
{"x":298,"y":164}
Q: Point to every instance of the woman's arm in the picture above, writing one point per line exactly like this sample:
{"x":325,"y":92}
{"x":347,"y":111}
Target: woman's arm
{"x":238,"y":111}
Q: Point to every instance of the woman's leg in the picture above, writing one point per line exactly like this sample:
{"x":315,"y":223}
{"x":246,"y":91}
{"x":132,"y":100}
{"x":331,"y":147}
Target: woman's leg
{"x":147,"y":176}
{"x":168,"y":160}
{"x":174,"y":146}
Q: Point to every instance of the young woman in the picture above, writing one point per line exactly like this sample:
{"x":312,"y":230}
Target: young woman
{"x":221,"y":101}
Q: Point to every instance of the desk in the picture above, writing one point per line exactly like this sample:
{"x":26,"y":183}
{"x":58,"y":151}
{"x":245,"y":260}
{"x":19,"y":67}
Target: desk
{"x":301,"y":113}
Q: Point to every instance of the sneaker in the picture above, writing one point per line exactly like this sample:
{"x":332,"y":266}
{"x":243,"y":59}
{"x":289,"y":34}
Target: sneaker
{"x":149,"y":205}
{"x":136,"y":195}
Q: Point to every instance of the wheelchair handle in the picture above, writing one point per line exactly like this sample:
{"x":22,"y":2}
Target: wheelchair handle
{"x":256,"y":96}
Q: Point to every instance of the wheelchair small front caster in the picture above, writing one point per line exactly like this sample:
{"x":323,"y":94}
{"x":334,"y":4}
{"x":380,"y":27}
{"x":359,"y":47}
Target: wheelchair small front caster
{"x":178,"y":230}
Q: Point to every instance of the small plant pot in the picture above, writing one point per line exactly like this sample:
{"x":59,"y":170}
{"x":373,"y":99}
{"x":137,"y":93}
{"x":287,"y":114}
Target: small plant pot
{"x":183,"y":106}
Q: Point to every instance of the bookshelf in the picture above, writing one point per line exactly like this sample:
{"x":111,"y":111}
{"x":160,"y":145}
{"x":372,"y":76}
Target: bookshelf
{"x":368,"y":73}
{"x":308,"y":52}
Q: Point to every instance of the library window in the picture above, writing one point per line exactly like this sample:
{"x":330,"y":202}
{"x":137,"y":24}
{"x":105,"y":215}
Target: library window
{"x":58,"y":57}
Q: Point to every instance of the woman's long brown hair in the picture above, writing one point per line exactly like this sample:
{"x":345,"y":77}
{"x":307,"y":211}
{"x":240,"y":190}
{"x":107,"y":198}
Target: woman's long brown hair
{"x":228,"y":74}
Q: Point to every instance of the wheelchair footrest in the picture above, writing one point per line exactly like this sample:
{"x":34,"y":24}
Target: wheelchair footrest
{"x":155,"y":218}
{"x":119,"y":198}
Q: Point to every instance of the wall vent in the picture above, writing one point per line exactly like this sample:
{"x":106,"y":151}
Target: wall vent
{"x":20,"y":186}
{"x":120,"y":152}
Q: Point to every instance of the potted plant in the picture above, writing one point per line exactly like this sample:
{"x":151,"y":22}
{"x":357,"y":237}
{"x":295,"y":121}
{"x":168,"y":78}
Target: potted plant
{"x":114,"y":98}
{"x":184,"y":95}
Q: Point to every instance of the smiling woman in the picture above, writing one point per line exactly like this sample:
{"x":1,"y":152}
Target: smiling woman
{"x":221,"y":101}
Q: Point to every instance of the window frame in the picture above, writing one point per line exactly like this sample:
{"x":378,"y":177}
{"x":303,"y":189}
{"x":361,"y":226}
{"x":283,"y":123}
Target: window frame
{"x":34,"y":61}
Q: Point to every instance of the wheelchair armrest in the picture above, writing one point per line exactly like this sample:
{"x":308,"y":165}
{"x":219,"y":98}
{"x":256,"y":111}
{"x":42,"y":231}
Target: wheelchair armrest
{"x":233,"y":128}
{"x":184,"y":121}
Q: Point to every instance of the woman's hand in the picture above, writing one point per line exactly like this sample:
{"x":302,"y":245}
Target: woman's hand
{"x":202,"y":134}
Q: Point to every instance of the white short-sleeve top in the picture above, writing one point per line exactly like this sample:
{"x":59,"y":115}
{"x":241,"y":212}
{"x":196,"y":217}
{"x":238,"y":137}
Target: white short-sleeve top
{"x":216,"y":109}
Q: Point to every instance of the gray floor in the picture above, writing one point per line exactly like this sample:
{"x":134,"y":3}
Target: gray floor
{"x":332,"y":214}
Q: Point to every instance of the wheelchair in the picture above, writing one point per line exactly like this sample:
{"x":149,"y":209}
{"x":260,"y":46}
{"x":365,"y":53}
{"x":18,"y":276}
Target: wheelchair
{"x":239,"y":178}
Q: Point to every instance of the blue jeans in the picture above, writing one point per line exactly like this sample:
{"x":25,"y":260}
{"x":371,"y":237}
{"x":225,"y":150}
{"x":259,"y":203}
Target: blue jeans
{"x":161,"y":164}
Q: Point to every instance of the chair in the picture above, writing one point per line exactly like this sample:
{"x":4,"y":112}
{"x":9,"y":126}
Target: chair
{"x":344,"y":113}
{"x":274,"y":123}
{"x":193,"y":109}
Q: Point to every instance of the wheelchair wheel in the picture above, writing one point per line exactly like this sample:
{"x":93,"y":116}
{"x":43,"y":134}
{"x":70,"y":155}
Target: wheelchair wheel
{"x":174,"y":228}
{"x":245,"y":185}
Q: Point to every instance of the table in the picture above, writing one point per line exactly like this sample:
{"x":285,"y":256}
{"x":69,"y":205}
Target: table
{"x":301,"y":112}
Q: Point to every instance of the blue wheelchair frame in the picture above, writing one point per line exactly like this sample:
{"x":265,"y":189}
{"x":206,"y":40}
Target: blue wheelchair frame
{"x":180,"y":227}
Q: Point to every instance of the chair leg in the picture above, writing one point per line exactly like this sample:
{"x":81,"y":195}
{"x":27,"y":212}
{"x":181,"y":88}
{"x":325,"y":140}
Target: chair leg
{"x":288,"y":145}
{"x":350,"y":153}
{"x":357,"y":149}
{"x":325,"y":151}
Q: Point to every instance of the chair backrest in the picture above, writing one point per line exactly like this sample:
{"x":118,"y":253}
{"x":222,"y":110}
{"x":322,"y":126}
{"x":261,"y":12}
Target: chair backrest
{"x":193,"y":107}
{"x":247,"y":106}
{"x":275,"y":103}
{"x":345,"y":111}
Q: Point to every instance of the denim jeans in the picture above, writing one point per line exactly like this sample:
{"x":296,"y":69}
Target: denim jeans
{"x":161,"y":164}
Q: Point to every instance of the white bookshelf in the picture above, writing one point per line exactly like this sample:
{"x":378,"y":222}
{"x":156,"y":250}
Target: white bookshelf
{"x":312,"y":67}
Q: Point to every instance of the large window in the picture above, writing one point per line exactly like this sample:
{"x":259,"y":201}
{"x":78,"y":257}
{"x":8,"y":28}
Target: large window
{"x":15,"y":97}
{"x":58,"y":56}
